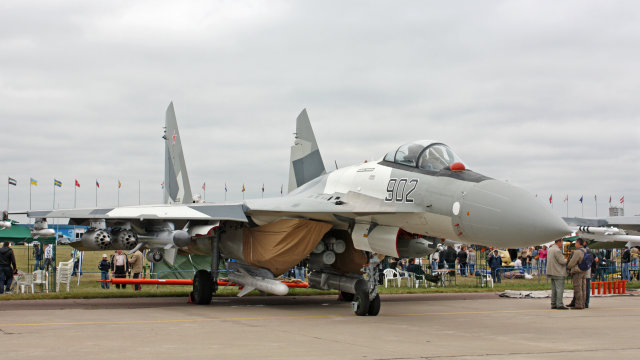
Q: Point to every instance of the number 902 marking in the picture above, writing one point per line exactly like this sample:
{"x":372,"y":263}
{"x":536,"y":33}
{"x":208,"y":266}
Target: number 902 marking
{"x":400,"y":190}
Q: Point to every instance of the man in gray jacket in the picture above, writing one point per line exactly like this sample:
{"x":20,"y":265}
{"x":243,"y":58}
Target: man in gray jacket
{"x":556,"y":271}
{"x":577,"y":275}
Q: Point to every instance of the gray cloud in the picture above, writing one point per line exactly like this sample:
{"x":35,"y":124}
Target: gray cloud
{"x":541,"y":94}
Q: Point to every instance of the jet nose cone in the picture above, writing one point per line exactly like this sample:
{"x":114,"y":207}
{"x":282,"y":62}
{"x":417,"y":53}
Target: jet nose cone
{"x":499,"y":214}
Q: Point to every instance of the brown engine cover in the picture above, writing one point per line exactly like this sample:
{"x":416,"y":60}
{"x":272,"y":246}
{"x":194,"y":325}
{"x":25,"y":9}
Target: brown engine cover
{"x":282,"y":244}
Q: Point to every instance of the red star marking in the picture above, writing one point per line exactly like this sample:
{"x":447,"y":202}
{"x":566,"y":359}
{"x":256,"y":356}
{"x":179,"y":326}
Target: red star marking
{"x":174,"y":137}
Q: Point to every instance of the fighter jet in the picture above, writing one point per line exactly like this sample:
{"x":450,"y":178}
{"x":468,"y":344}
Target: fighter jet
{"x":614,"y":232}
{"x":342,"y":222}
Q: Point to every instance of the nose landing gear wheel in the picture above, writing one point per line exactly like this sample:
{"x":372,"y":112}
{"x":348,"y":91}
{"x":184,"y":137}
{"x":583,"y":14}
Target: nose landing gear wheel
{"x":374,"y":306}
{"x":361,"y":303}
{"x":202,"y":287}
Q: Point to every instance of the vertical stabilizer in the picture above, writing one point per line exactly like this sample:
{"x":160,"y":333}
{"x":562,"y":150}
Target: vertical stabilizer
{"x":177,"y":188}
{"x":306,"y":162}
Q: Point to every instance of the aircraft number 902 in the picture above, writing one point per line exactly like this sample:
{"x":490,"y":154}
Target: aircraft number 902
{"x":399,"y":190}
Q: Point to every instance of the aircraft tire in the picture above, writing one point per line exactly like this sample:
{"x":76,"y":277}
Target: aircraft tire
{"x":361,"y":298}
{"x":374,"y":306}
{"x":345,"y":296}
{"x":202,"y":287}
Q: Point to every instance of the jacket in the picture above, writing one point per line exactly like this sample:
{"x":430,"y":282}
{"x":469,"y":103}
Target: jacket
{"x":495,"y":261}
{"x":576,"y":259}
{"x":104,"y":265}
{"x":556,"y":264}
{"x":7,"y":258}
{"x":136,"y":262}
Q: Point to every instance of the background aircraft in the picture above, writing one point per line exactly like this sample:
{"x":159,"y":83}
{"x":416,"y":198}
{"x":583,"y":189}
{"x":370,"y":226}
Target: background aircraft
{"x":402,"y":206}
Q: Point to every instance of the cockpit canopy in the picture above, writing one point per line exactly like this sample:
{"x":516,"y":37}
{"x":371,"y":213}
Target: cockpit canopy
{"x":425,"y":155}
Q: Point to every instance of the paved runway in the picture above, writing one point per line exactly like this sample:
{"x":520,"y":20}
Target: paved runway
{"x":432,"y":326}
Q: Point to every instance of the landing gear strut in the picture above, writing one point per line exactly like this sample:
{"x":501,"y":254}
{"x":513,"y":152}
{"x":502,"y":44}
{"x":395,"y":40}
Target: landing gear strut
{"x":367,"y":300}
{"x":205,"y":283}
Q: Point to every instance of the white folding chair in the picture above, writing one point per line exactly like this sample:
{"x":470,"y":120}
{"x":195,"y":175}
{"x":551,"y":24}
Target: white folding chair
{"x":24,"y":282}
{"x":390,"y":274}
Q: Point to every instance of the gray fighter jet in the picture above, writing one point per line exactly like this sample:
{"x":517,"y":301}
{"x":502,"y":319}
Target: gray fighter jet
{"x":341,"y":222}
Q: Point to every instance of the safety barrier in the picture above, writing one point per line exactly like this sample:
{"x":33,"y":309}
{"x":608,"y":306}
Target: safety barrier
{"x":617,"y":287}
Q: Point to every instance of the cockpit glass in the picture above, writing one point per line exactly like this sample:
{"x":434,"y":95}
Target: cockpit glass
{"x":437,"y":157}
{"x":407,"y":154}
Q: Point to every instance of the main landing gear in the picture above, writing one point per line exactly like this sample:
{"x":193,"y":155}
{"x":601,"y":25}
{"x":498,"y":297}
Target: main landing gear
{"x":205,"y":283}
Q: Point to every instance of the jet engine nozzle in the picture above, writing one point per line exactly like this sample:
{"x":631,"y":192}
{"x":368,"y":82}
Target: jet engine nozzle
{"x":498,"y":213}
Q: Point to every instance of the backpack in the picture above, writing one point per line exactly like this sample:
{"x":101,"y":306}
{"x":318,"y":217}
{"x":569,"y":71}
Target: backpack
{"x":586,"y":261}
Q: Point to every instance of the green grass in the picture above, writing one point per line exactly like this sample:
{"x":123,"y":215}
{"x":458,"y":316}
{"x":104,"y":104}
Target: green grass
{"x":90,"y":288}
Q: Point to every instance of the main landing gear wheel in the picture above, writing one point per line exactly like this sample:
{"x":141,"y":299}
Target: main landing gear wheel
{"x":202,"y":287}
{"x":374,"y":306}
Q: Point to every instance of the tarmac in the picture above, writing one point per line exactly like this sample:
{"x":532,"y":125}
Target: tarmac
{"x":416,"y":326}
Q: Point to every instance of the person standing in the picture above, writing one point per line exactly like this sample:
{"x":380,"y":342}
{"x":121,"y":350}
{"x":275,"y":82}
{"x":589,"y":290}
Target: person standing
{"x":37,"y":255}
{"x":104,"y":267}
{"x":495,"y":263}
{"x":48,"y":257}
{"x":462,"y":261}
{"x":471,"y":260}
{"x":542,"y":255}
{"x":136,"y":267}
{"x":556,"y":272}
{"x":434,"y":258}
{"x":7,"y":267}
{"x":119,"y":267}
{"x":577,"y":275}
{"x":626,"y":259}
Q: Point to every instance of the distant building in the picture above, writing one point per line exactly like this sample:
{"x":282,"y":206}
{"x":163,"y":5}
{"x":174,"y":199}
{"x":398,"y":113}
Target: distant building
{"x":616,"y":211}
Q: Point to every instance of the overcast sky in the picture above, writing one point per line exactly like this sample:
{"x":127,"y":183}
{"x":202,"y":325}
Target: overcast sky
{"x":543,"y":94}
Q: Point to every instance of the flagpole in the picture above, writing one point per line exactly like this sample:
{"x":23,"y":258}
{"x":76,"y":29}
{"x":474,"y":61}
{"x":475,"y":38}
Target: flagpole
{"x":596,"y":200}
{"x":75,"y":202}
{"x":30,"y":185}
{"x":139,"y":192}
{"x":8,"y":194}
{"x":118,"y":192}
{"x":96,"y":192}
{"x":54,"y":193}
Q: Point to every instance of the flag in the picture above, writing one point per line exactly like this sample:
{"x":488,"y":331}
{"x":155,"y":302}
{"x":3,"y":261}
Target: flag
{"x":622,"y":200}
{"x":551,"y":199}
{"x":281,"y":189}
{"x":162,"y":185}
{"x":243,"y":189}
{"x":262,"y":187}
{"x":57,"y":183}
{"x":97,"y":183}
{"x":13,"y":181}
{"x":119,"y":184}
{"x":77,"y":183}
{"x":595,"y":197}
{"x":609,"y":199}
{"x":33,"y":182}
{"x":581,"y":198}
{"x":204,"y":185}
{"x":566,"y":198}
{"x":225,"y":187}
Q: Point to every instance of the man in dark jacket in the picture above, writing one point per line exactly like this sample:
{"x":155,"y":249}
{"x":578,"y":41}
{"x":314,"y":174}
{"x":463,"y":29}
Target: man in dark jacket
{"x":7,"y":267}
{"x":462,"y":261}
{"x":495,"y":263}
{"x":450,"y":258}
{"x":104,"y":266}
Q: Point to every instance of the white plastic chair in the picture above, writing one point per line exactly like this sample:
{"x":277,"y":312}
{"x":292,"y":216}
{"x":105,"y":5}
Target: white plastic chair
{"x":390,"y":274}
{"x":487,"y":279}
{"x":63,"y":275}
{"x":24,"y":282}
{"x":41,"y":278}
{"x":404,"y":275}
